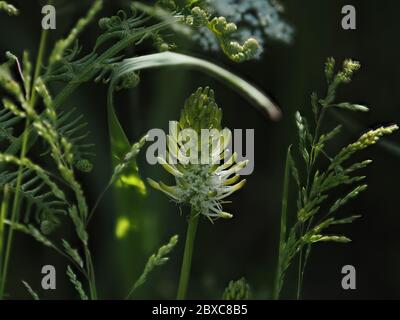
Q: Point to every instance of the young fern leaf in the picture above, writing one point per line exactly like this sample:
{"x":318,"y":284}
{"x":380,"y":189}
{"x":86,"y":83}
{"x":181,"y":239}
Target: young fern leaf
{"x":77,"y":71}
{"x":156,"y":260}
{"x":8,"y":119}
{"x":62,"y":45}
{"x":70,"y":125}
{"x":38,"y":198}
{"x":38,"y":190}
{"x":315,"y":185}
{"x":76,"y":283}
{"x":32,"y":292}
{"x":127,"y":30}
{"x":10,"y":114}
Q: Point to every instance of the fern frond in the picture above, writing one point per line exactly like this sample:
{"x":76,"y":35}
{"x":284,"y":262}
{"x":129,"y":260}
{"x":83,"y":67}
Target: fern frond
{"x":8,"y":120}
{"x":63,"y":44}
{"x":42,"y":196}
{"x":10,"y":114}
{"x":127,"y":29}
{"x":120,"y":26}
{"x":70,"y":125}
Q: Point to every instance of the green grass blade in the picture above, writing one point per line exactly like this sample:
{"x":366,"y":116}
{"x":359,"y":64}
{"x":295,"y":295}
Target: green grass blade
{"x":282,"y":239}
{"x":171,"y":59}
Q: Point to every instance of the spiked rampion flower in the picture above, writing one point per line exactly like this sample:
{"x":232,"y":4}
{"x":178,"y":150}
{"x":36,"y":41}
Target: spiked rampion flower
{"x":205,"y":171}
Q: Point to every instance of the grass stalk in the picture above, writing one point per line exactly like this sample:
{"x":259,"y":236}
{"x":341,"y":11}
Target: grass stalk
{"x":3,"y":216}
{"x":282,"y":237}
{"x":187,"y":256}
{"x":24,"y":148}
{"x":91,"y":274}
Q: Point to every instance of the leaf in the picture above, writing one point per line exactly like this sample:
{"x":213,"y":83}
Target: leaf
{"x":10,"y":116}
{"x":40,"y":194}
{"x":351,"y":107}
{"x":71,"y":126}
{"x":63,"y":44}
{"x":156,"y":260}
{"x":342,"y":201}
{"x":170,"y":59}
{"x":31,"y":291}
{"x":330,"y":135}
{"x":33,"y":232}
{"x":347,"y":220}
{"x":79,"y":225}
{"x":76,"y":283}
{"x":325,"y":238}
{"x":73,"y":253}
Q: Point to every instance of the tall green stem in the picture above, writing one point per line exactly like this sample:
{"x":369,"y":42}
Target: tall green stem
{"x":282,"y":239}
{"x":3,"y":216}
{"x":187,"y":256}
{"x":90,"y":272}
{"x":313,"y":156}
{"x":24,"y":147}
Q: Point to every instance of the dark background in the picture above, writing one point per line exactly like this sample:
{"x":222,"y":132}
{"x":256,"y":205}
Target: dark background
{"x":247,"y":245}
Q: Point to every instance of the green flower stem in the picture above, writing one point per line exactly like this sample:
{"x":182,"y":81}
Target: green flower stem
{"x":282,"y":239}
{"x":24,"y":149}
{"x":3,"y":216}
{"x":303,"y":260}
{"x":90,"y":272}
{"x":187,"y":256}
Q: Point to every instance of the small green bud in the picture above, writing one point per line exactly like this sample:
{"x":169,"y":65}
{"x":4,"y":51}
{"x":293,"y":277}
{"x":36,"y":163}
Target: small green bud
{"x":329,"y":69}
{"x":201,"y":111}
{"x":48,"y":226}
{"x":237,"y":290}
{"x":199,"y":17}
{"x":129,"y":81}
{"x":84,"y":165}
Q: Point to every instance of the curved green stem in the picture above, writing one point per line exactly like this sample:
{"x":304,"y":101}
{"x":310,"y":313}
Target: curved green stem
{"x":187,"y":256}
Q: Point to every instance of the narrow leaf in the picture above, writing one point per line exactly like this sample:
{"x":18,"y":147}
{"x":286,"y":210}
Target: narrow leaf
{"x":73,"y":253}
{"x":34,"y":295}
{"x":76,"y":283}
{"x":156,"y":260}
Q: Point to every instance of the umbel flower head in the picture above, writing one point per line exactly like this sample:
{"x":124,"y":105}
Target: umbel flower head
{"x":202,"y":184}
